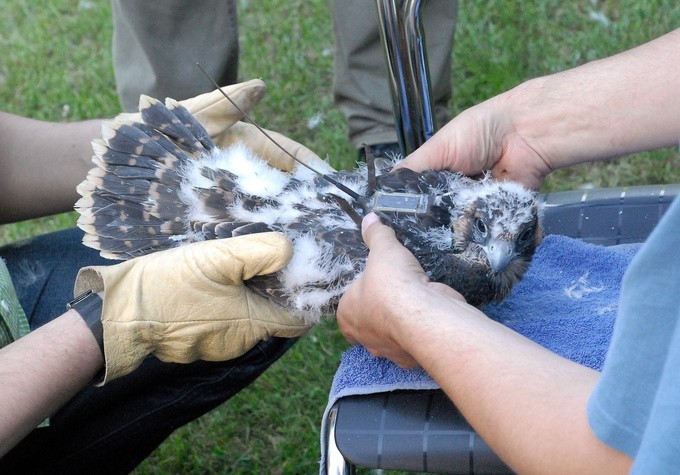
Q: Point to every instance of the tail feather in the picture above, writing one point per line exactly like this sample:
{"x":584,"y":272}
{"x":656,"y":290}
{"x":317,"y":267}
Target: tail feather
{"x":252,"y":228}
{"x":105,"y":155}
{"x":226,"y":230}
{"x":115,"y":214}
{"x":165,"y":120}
{"x":214,"y":202}
{"x":190,"y":123}
{"x":168,"y":210}
{"x":126,"y":172}
{"x":132,"y":140}
{"x":117,"y":249}
{"x":219,"y":230}
{"x":107,"y":183}
{"x":175,"y":153}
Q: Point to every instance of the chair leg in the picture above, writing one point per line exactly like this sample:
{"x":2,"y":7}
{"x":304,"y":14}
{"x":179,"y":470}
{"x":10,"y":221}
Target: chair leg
{"x":335,"y":462}
{"x":403,"y":39}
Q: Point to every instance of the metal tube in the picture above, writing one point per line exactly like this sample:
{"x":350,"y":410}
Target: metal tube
{"x":335,"y":462}
{"x":404,"y":42}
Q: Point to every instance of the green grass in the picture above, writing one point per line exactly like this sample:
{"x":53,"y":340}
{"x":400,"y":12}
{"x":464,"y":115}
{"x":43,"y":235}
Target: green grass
{"x":56,"y":65}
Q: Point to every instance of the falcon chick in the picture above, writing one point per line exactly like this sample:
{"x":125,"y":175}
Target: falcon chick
{"x":162,"y":182}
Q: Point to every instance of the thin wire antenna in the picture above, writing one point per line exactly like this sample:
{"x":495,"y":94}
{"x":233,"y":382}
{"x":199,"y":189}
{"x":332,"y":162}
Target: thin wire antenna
{"x":339,"y":185}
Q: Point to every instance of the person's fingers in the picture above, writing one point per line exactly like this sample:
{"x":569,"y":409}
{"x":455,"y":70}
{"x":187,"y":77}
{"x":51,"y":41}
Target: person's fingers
{"x":432,"y":155}
{"x":368,"y":229}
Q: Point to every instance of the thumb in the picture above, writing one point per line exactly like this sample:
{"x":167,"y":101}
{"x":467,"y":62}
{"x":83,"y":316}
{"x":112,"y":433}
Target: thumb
{"x":385,"y":247}
{"x":232,"y":260}
{"x":374,"y":232}
{"x":456,"y":147}
{"x":432,"y":155}
{"x":213,"y":105}
{"x":418,"y":161}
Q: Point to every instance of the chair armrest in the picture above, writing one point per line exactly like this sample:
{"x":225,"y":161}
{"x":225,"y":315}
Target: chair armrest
{"x":410,"y":430}
{"x":608,"y":216}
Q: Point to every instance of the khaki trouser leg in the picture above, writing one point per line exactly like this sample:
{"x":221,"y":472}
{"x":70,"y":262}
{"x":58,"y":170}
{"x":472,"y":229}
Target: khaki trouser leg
{"x":361,"y":87}
{"x":157,"y":43}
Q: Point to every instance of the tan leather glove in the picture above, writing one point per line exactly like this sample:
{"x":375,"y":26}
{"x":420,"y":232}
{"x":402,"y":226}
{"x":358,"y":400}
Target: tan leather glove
{"x":189,"y":302}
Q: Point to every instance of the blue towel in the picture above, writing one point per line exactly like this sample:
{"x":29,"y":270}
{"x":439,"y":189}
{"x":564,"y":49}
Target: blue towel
{"x":567,"y":302}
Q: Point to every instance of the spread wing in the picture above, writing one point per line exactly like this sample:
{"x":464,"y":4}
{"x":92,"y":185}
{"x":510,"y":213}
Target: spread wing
{"x":161,"y":182}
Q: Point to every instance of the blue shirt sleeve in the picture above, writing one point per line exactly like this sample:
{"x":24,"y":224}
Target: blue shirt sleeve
{"x":635,"y":408}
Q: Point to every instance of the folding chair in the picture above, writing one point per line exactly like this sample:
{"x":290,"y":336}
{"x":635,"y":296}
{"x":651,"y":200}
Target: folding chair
{"x":423,"y":430}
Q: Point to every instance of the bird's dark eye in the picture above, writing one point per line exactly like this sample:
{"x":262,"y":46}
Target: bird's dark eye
{"x":526,"y":235}
{"x":481,"y":226}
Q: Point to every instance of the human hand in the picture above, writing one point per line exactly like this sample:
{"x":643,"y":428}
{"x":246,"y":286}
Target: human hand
{"x":190,"y":302}
{"x":484,"y":137}
{"x":393,"y":289}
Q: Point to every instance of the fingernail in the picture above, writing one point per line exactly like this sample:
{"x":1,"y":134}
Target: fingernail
{"x":369,"y":219}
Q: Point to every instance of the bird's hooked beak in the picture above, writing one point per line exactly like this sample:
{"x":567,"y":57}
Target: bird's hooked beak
{"x":499,"y":253}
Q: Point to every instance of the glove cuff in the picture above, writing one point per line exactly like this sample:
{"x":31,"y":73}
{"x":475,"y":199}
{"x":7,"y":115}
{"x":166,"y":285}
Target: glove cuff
{"x":124,"y":344}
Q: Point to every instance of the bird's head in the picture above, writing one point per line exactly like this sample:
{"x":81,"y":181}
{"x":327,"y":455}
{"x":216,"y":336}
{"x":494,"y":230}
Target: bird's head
{"x":477,"y":236}
{"x":499,"y":228}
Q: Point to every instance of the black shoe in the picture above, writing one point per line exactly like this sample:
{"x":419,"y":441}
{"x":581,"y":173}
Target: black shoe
{"x":381,"y":150}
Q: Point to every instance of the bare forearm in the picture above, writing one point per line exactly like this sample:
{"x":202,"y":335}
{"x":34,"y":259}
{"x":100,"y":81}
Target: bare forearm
{"x":41,"y":163}
{"x":526,"y":402}
{"x":616,"y":106}
{"x":41,"y":371}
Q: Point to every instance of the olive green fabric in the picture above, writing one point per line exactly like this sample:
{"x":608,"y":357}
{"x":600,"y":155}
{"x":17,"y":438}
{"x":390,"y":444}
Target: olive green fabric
{"x":13,"y":321}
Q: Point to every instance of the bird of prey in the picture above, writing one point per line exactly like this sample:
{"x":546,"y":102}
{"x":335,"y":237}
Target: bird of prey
{"x":162,"y":182}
